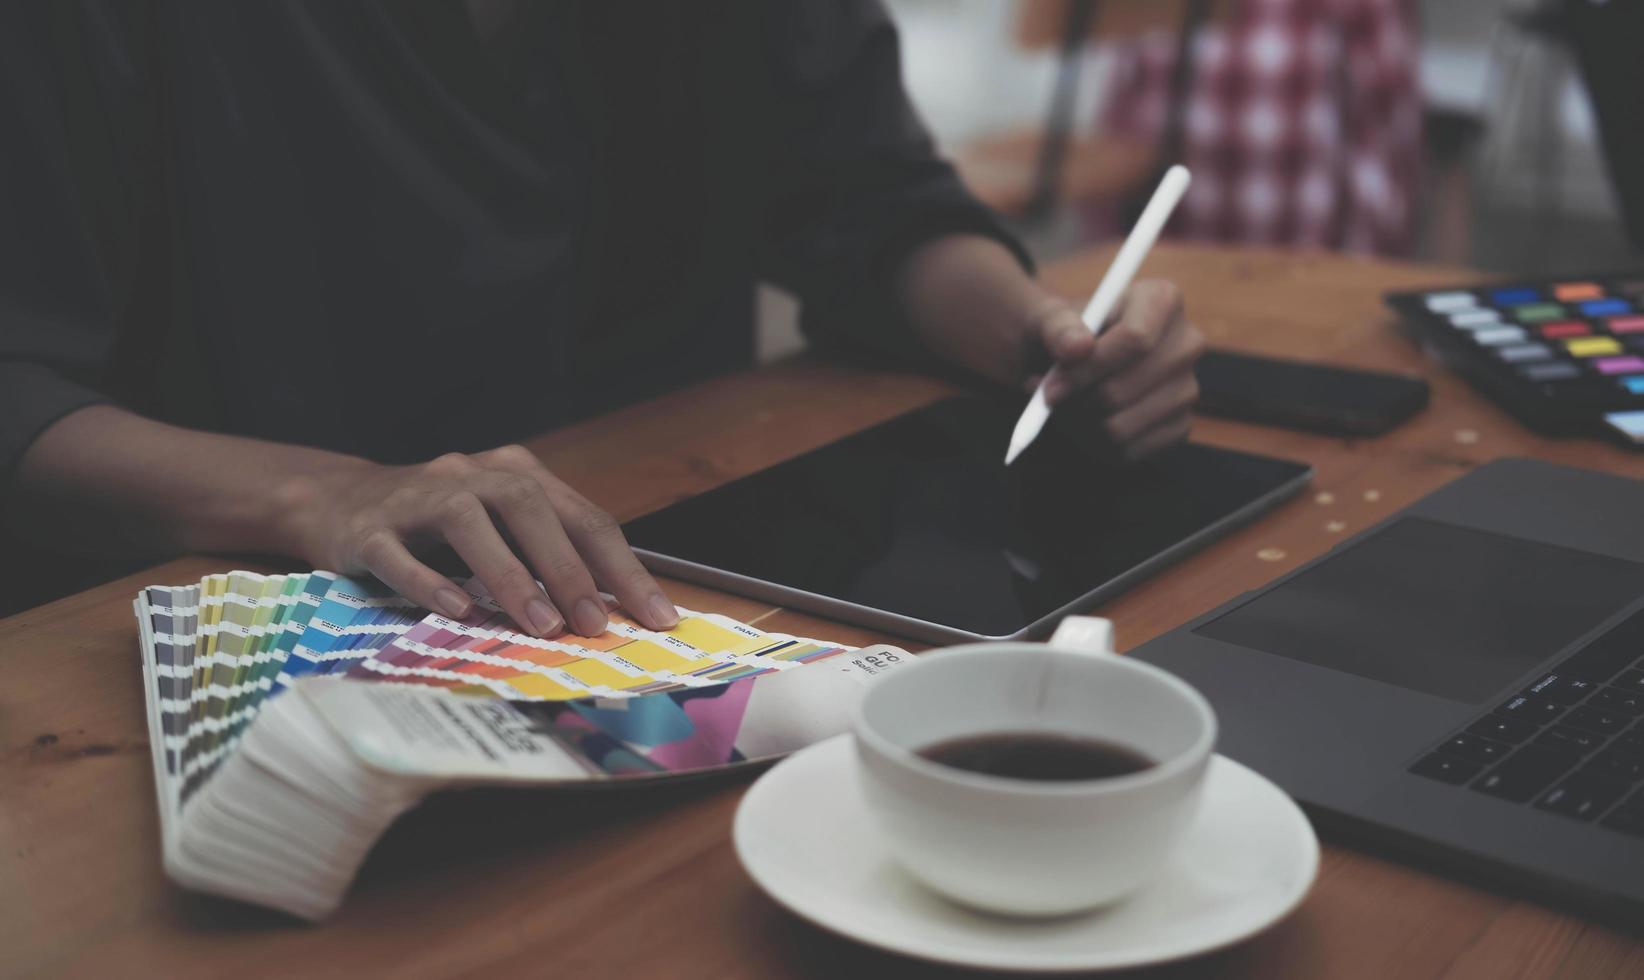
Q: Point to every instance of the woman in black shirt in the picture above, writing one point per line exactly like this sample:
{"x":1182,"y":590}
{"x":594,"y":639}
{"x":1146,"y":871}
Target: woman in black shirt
{"x":527,"y":199}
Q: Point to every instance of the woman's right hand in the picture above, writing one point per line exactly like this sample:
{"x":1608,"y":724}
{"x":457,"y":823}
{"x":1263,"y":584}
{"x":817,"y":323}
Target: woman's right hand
{"x":374,"y":518}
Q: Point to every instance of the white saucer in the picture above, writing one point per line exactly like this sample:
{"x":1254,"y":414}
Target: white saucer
{"x":804,"y":834}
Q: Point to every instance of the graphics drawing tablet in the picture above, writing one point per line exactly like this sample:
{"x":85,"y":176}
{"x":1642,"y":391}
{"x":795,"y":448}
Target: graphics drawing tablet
{"x":917,"y":527}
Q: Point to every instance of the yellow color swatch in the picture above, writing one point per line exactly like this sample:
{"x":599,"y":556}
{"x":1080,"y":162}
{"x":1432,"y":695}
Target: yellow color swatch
{"x":707,"y":636}
{"x":595,"y":672}
{"x":539,"y":686}
{"x":644,"y":653}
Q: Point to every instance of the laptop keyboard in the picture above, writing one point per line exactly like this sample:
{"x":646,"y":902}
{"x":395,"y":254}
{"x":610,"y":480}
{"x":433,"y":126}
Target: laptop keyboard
{"x":1572,"y":743}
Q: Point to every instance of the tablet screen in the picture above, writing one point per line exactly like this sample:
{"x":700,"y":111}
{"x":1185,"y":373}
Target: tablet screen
{"x":919,"y":517}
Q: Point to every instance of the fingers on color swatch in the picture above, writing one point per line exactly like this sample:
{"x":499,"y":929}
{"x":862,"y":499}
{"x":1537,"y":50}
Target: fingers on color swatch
{"x":215,"y":651}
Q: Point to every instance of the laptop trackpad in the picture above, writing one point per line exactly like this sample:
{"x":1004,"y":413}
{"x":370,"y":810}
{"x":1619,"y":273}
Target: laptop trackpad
{"x":1434,"y":607}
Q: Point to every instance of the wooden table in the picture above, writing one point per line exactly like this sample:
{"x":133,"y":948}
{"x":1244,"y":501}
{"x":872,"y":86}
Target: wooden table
{"x":645,"y":884}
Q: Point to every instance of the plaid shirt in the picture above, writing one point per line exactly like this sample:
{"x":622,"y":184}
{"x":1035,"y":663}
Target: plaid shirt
{"x":1303,"y":126}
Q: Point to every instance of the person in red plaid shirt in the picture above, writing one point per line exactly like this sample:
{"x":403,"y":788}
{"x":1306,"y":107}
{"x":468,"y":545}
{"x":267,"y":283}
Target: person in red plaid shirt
{"x":1302,"y":123}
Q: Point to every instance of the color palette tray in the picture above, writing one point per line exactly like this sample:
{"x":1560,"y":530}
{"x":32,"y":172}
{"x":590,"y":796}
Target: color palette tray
{"x":1565,"y":356}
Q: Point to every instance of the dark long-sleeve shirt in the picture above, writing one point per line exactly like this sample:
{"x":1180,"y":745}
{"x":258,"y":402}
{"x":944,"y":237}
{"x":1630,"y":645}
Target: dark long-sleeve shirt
{"x":359,"y":225}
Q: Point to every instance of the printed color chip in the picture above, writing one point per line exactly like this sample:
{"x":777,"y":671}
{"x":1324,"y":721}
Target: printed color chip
{"x":1627,"y":324}
{"x":1513,"y":297}
{"x":1569,"y":292}
{"x":1592,"y":346}
{"x":1619,"y":365}
{"x":1604,"y":307}
{"x":1565,"y":328}
{"x":1538,"y":312}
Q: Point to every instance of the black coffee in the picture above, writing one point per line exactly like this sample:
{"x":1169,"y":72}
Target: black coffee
{"x":1035,"y":755}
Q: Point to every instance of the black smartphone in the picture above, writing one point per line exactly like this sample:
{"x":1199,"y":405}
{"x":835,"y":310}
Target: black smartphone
{"x":1312,"y":397}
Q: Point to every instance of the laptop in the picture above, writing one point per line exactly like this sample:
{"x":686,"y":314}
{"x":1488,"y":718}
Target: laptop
{"x":1464,"y":681}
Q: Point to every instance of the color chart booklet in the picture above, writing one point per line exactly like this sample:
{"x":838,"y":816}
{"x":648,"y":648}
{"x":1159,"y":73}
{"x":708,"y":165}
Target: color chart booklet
{"x":294,"y":717}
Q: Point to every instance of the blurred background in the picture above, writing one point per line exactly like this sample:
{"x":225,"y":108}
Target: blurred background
{"x":1457,"y":131}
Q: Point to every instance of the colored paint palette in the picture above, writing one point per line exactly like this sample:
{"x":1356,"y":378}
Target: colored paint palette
{"x":1565,"y":356}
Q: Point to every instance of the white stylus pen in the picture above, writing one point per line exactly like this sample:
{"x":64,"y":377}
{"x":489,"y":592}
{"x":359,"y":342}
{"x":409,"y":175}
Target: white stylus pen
{"x":1107,"y":294}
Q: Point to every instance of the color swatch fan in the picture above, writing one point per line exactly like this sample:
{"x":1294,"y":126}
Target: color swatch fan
{"x":294,"y":717}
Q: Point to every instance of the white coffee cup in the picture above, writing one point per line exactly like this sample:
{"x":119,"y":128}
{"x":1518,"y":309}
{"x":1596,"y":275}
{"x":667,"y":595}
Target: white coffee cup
{"x":1033,"y":847}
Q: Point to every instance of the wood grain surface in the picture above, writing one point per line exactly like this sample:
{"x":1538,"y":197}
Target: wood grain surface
{"x":644,"y":883}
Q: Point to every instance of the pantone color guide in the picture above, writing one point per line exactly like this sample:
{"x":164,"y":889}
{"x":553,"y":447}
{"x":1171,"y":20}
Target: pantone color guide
{"x":222,"y":647}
